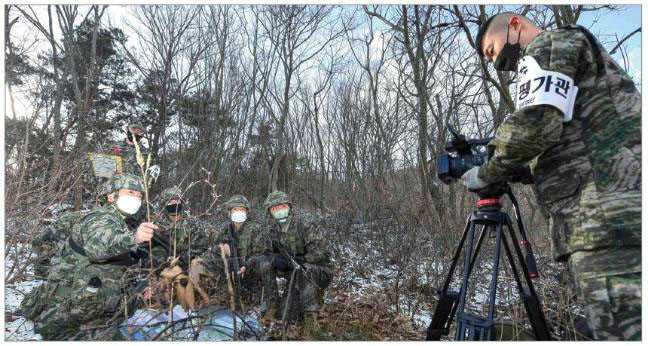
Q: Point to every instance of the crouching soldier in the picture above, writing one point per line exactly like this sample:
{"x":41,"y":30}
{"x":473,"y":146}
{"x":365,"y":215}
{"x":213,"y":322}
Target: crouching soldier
{"x":294,"y":245}
{"x":89,"y":285}
{"x":240,"y":240}
{"x":179,"y":239}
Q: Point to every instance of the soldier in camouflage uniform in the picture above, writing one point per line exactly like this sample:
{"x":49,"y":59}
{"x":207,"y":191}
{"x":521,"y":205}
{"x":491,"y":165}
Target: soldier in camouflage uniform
{"x":51,"y":238}
{"x":46,"y":242}
{"x":587,"y":169}
{"x":126,"y":148}
{"x":290,"y":244}
{"x":85,"y":294}
{"x":241,"y":240}
{"x":179,"y":237}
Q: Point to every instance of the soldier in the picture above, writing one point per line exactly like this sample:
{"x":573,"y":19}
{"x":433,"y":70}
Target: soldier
{"x":179,"y":238}
{"x":294,"y":244}
{"x":126,"y":149}
{"x":89,"y":282}
{"x":578,"y":125}
{"x":45,"y":243}
{"x":51,"y":238}
{"x":240,"y":238}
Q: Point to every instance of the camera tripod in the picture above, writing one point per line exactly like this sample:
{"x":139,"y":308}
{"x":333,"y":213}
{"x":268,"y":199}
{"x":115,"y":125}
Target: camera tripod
{"x":493,"y":220}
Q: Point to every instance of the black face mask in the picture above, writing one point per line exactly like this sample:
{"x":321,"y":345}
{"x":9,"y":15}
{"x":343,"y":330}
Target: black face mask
{"x":174,"y":208}
{"x":130,"y":136}
{"x":509,"y":55}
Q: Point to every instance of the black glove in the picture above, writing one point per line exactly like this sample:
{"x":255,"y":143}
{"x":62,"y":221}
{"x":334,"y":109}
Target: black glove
{"x":139,"y":254}
{"x":281,"y":263}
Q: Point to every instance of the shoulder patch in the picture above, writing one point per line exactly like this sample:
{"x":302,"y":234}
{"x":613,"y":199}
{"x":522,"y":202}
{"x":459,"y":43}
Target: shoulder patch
{"x":542,"y":87}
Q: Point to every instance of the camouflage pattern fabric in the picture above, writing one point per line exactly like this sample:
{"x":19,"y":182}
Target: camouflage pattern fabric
{"x":189,"y":241}
{"x":237,"y":201}
{"x":247,"y":239}
{"x":50,"y":239}
{"x":297,"y":238}
{"x":170,"y":194}
{"x":275,"y":198}
{"x":128,"y":154}
{"x":587,"y":171}
{"x":102,"y":235}
{"x":608,"y":284}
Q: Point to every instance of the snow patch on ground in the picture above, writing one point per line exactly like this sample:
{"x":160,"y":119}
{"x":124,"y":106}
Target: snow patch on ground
{"x":19,"y":329}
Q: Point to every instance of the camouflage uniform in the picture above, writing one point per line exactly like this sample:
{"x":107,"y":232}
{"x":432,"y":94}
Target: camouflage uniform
{"x":245,"y":241}
{"x":128,"y":153}
{"x":50,"y":239}
{"x":86,"y":290}
{"x":302,"y":243}
{"x":587,"y":174}
{"x":189,"y":241}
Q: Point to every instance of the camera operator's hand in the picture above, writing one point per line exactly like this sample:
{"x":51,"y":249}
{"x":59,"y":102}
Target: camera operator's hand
{"x":472,"y":181}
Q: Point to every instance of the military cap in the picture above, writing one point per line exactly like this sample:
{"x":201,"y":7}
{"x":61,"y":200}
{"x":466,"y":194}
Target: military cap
{"x":170,"y":194}
{"x":125,"y":181}
{"x":276,"y":198}
{"x":237,"y":201}
{"x":136,"y":126}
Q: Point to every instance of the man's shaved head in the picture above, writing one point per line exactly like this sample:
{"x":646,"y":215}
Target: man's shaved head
{"x":494,"y":24}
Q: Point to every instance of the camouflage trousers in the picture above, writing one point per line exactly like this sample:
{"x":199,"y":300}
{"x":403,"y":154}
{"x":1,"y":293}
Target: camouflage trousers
{"x":309,"y":282}
{"x":81,"y":315}
{"x":608,"y":284}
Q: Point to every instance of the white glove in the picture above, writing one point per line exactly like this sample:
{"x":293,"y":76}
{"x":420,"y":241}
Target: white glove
{"x":472,"y":181}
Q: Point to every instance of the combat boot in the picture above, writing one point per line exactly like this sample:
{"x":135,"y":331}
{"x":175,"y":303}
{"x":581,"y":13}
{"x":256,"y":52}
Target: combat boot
{"x":310,"y":326}
{"x":271,"y":313}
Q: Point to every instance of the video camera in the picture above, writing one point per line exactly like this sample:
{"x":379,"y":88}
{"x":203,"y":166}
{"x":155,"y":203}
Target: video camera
{"x":464,"y":154}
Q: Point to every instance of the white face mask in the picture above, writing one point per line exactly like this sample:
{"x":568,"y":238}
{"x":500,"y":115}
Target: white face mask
{"x":128,"y":204}
{"x":281,"y":215}
{"x":238,"y":216}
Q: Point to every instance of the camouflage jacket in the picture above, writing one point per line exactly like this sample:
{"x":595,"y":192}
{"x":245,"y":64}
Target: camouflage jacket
{"x":189,"y":240}
{"x":587,"y":171}
{"x":95,"y":242}
{"x":128,"y":154}
{"x":298,"y":238}
{"x":58,"y":230}
{"x":247,"y":240}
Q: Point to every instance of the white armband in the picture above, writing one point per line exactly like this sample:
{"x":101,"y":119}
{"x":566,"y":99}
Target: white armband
{"x":540,"y":87}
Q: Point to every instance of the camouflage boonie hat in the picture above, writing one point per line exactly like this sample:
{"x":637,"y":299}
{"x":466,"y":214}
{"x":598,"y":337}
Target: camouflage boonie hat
{"x":125,"y":181}
{"x":170,"y":194}
{"x":237,"y":201}
{"x":276,"y":198}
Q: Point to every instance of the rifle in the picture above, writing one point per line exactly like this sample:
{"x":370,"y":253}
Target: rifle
{"x":236,"y":263}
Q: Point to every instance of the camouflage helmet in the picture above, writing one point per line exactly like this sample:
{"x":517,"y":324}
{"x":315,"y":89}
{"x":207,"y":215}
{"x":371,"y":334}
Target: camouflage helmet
{"x":125,"y":181}
{"x":135,"y":125}
{"x":237,"y":201}
{"x":170,"y":194}
{"x":276,"y":198}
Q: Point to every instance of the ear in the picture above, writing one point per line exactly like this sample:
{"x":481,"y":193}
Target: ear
{"x":111,"y":197}
{"x":515,"y":23}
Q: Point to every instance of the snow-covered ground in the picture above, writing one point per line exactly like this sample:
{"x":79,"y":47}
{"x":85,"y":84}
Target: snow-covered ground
{"x":18,"y":328}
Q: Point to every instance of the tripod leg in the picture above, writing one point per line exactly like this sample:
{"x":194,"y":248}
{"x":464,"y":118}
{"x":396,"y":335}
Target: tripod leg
{"x":455,"y":258}
{"x":493,"y":287}
{"x":448,"y":301}
{"x":520,"y":256}
{"x":531,"y":302}
{"x":467,"y":260}
{"x":479,"y":244}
